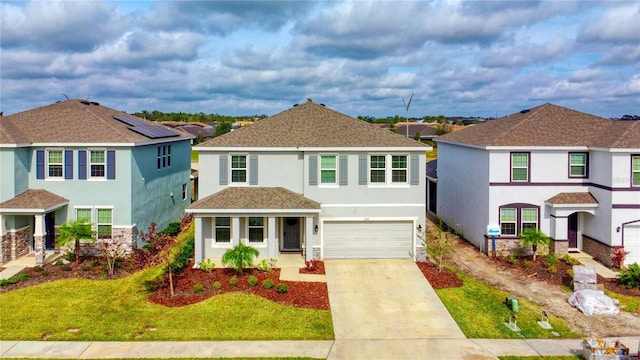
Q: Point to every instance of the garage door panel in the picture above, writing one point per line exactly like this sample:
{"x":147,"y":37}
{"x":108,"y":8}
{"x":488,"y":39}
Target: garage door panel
{"x":367,"y":239}
{"x":632,"y":243}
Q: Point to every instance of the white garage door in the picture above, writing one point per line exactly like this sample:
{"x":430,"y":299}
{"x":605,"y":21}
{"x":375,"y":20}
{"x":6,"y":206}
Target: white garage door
{"x":632,"y":243}
{"x":367,"y":239}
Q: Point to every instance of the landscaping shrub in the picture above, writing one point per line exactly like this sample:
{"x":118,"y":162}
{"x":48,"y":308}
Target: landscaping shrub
{"x":70,"y":256}
{"x":551,"y":259}
{"x":234,"y":281}
{"x":14,"y":279}
{"x":198,"y":288}
{"x":630,"y":277}
{"x":85,"y":268}
{"x":267,"y":284}
{"x":185,"y":253}
{"x":282,"y":289}
{"x":207,"y":265}
{"x":618,"y":256}
{"x":513,"y":259}
{"x":265,"y":265}
{"x":65,"y":268}
{"x":240,"y":257}
{"x":253,"y":281}
{"x":528,"y":264}
{"x":38,"y":268}
{"x":172,"y":229}
{"x":217,"y":285}
{"x":152,"y":285}
{"x":553,"y":269}
{"x":570,"y":260}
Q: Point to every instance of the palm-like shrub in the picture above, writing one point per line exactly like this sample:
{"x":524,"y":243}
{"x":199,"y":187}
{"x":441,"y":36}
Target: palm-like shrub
{"x":75,"y":230}
{"x":240,"y":257}
{"x":534,"y":238}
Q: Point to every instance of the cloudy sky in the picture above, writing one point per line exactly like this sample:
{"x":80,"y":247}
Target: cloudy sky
{"x":467,"y":58}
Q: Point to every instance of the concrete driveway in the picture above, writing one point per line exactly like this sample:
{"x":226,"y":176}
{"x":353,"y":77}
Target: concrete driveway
{"x":386,"y":309}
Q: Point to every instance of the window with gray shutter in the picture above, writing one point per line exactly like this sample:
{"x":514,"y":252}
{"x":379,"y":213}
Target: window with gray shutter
{"x":313,"y":169}
{"x":68,"y":164}
{"x":415,"y":169}
{"x":362,"y":169}
{"x":224,"y":167}
{"x":253,"y":169}
{"x":343,"y":172}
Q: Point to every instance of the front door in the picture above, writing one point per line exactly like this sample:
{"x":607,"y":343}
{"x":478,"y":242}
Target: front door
{"x":572,"y":233}
{"x":291,"y":234}
{"x":49,"y":225}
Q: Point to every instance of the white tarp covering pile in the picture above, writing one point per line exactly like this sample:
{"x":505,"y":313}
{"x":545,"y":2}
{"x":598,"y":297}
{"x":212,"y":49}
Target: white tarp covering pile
{"x":593,"y":302}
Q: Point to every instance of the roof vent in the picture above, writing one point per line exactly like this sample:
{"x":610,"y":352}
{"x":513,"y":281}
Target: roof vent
{"x":524,"y":111}
{"x":294,"y":105}
{"x":85,"y":102}
{"x":323,"y":104}
{"x":95,"y":103}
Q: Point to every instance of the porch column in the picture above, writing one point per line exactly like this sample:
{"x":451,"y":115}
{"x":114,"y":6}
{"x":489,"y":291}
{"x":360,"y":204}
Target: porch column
{"x":235,"y":231}
{"x":39,"y":235}
{"x":308,"y":237}
{"x":199,"y":241}
{"x":272,"y":240}
{"x":559,"y":227}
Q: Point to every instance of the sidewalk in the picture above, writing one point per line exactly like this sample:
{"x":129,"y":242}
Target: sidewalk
{"x":322,"y":349}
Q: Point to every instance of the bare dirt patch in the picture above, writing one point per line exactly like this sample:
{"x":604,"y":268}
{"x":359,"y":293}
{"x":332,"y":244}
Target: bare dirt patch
{"x":535,"y":285}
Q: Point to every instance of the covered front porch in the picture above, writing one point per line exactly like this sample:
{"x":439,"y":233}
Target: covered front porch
{"x":273,"y":220}
{"x":567,"y":212}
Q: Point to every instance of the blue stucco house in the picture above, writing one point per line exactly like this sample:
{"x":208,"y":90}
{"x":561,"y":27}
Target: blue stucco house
{"x":76,"y":159}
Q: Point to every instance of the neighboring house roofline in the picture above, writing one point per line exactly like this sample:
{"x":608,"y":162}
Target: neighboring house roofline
{"x":302,"y":148}
{"x":253,"y":211}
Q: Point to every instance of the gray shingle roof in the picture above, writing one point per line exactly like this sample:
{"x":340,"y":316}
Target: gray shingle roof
{"x":71,"y":121}
{"x":311,"y":125}
{"x":271,"y":198}
{"x":35,"y":199}
{"x":550,"y":125}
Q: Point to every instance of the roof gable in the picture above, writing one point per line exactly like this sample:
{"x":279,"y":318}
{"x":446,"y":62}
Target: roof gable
{"x":74,"y":121}
{"x":311,"y":125}
{"x":549,"y":125}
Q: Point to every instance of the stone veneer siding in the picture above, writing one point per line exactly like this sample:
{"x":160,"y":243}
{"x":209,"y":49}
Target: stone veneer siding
{"x":421,"y":253}
{"x":15,"y":244}
{"x":598,"y":250}
{"x":506,"y":246}
{"x":92,"y":248}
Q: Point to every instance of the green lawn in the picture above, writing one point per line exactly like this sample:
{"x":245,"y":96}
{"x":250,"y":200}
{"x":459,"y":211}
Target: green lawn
{"x":117,"y":310}
{"x":480,"y":312}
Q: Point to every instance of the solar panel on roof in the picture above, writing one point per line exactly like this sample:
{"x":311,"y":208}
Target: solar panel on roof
{"x":146,"y":128}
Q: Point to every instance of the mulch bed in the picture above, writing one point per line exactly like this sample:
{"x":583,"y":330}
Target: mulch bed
{"x":311,"y":295}
{"x":439,"y":279}
{"x":318,"y":268}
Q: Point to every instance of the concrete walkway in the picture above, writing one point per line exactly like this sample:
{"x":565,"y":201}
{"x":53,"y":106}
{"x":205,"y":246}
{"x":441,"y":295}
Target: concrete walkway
{"x":588,"y":260}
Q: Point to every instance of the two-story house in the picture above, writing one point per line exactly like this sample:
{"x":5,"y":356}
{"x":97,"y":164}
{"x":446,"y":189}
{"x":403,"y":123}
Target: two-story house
{"x":313,"y":181}
{"x":76,"y":159}
{"x":573,"y":175}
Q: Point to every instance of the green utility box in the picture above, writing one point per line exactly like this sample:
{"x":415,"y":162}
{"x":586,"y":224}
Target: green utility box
{"x":512,"y":303}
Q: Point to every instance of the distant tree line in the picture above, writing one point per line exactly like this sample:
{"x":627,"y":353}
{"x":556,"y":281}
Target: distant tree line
{"x":156,"y":115}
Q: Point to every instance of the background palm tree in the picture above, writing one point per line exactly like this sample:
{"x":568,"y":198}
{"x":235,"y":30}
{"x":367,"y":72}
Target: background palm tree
{"x":75,"y":230}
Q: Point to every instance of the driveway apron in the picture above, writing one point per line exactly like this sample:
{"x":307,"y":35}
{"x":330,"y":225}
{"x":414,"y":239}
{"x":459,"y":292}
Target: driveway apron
{"x":385,"y":299}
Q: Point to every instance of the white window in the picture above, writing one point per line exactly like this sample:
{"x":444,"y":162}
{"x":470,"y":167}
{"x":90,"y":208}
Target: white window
{"x":508,"y":221}
{"x":519,"y":167}
{"x":529,"y":218}
{"x":256,"y":229}
{"x":578,"y":165}
{"x":104,"y":223}
{"x":399,"y":169}
{"x":388,"y":169}
{"x":164,"y":156}
{"x":635,"y":170}
{"x":84,"y":215}
{"x":222,"y":230}
{"x":97,"y":163}
{"x":238,"y":169}
{"x":184,"y":191}
{"x":54,"y":163}
{"x":328,"y":169}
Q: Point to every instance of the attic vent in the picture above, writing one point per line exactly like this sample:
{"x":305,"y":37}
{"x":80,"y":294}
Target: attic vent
{"x":524,"y":111}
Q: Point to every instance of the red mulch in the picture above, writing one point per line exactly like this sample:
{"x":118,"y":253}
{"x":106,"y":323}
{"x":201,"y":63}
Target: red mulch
{"x":439,"y":279}
{"x":310,"y":295}
{"x":318,"y":268}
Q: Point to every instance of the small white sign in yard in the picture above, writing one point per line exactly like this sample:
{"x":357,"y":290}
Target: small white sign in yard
{"x":493,"y":230}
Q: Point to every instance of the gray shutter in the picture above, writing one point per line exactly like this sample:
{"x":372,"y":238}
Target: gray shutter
{"x":415,"y":169}
{"x":343,"y":166}
{"x":224,"y":168}
{"x":313,"y":169}
{"x":253,"y":169}
{"x":82,"y":164}
{"x":362,"y":169}
{"x":68,"y":164}
{"x":40,"y":164}
{"x":111,"y":164}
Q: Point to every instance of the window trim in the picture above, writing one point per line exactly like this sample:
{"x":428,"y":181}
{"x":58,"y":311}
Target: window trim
{"x":388,"y":170}
{"x":48,"y":164}
{"x":184,"y":191}
{"x":215,"y":242}
{"x":406,"y":170}
{"x":263,"y":227}
{"x":519,"y":207}
{"x":586,"y":165}
{"x":163,"y":156}
{"x":632,"y":172}
{"x":528,"y":167}
{"x":515,"y":222}
{"x":90,"y":164}
{"x":98,"y":223}
{"x":335,"y":170}
{"x":246,"y":170}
